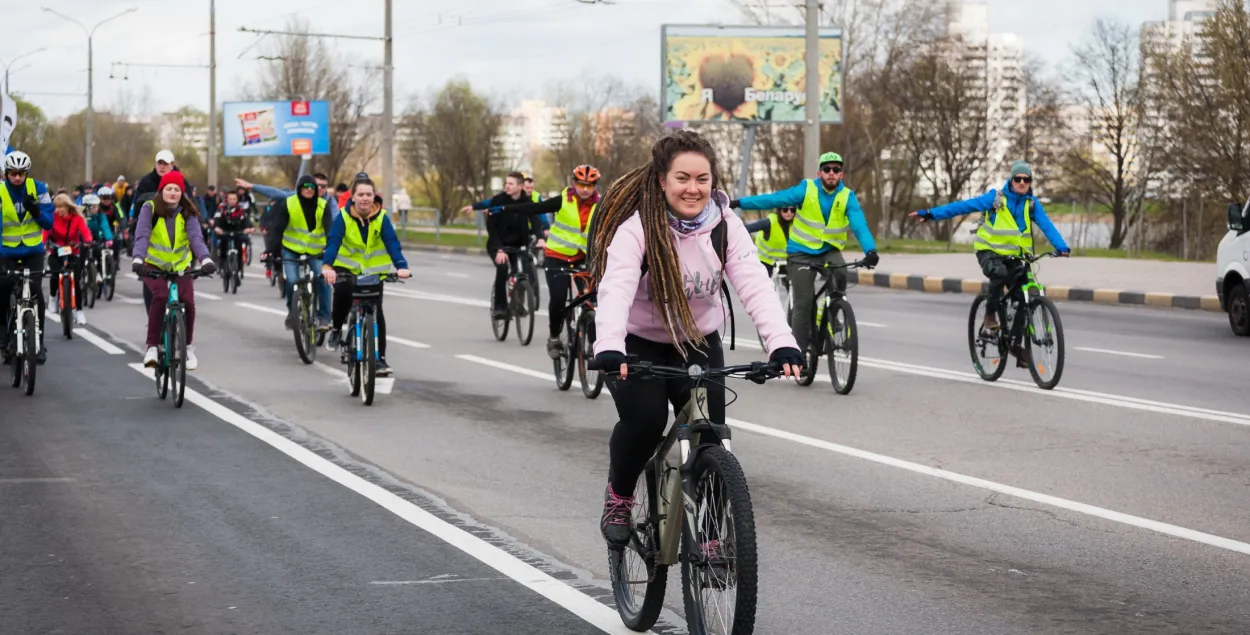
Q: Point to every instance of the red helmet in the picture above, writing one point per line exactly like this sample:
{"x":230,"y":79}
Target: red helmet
{"x":585,"y":174}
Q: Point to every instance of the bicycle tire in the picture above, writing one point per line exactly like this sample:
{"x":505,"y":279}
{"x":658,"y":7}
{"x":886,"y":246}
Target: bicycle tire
{"x":110,"y":284}
{"x":225,"y":276}
{"x":1056,"y":325}
{"x":815,"y":348}
{"x":30,"y":363}
{"x":93,"y":291}
{"x":563,"y":365}
{"x":999,"y":364}
{"x":499,"y":326}
{"x":161,"y":373}
{"x":369,"y":364}
{"x":67,"y":306}
{"x":585,"y":344}
{"x":17,"y":364}
{"x":353,"y":365}
{"x":178,"y":363}
{"x":743,"y":567}
{"x":641,"y":616}
{"x":523,"y":313}
{"x":237,"y":273}
{"x":850,"y":343}
{"x":305,"y":332}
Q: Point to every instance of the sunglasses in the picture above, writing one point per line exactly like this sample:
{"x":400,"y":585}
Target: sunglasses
{"x":1022,"y":179}
{"x":831,"y":169}
{"x":308,"y":187}
{"x":581,"y":184}
{"x":14,"y":173}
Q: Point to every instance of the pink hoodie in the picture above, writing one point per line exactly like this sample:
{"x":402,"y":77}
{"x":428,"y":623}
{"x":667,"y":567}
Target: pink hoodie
{"x":625,"y":304}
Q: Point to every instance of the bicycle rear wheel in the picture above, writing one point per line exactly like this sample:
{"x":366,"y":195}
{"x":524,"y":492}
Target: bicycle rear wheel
{"x":1045,"y":335}
{"x":368,"y":365}
{"x":563,"y":365}
{"x":989,"y":354}
{"x":719,"y":575}
{"x":499,"y":325}
{"x":638,"y":580}
{"x":523,"y":307}
{"x":67,"y":305}
{"x":29,"y":361}
{"x":843,"y":346}
{"x":91,"y":289}
{"x":306,"y":331}
{"x":178,"y":361}
{"x":592,"y":380}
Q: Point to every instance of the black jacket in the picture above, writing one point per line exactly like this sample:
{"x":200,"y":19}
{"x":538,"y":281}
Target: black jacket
{"x":279,"y":218}
{"x":509,"y":229}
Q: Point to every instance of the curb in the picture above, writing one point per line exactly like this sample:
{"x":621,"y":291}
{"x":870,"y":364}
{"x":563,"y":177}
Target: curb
{"x":933,"y":284}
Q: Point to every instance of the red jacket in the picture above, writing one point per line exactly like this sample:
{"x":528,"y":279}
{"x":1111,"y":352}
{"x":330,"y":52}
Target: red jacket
{"x":68,"y":230}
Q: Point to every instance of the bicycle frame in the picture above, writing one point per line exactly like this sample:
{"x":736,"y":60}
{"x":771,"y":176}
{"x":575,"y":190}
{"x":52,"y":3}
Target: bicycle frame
{"x":26,"y":303}
{"x":172,"y":306}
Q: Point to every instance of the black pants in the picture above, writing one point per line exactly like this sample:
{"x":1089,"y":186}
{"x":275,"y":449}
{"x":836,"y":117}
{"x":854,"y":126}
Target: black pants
{"x":223,"y":245}
{"x":559,"y":281}
{"x":501,"y":277}
{"x":642,"y":406}
{"x":1002,"y":272}
{"x":55,"y":268}
{"x":35,"y":263}
{"x":342,"y":305}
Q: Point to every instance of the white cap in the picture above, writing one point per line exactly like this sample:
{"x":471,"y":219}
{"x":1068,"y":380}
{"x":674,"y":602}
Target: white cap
{"x":121,"y":178}
{"x":165,"y":155}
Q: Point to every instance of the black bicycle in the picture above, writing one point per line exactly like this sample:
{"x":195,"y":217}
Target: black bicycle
{"x":522,"y":300}
{"x":360,"y":344}
{"x":1033,"y":327}
{"x":307,"y":293}
{"x":232,"y":268}
{"x":833,"y":331}
{"x":23,"y":326}
{"x":697,"y":513}
{"x":577,"y":337}
{"x":102,"y":274}
{"x":171,"y":351}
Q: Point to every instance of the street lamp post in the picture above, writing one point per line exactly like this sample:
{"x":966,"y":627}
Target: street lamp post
{"x":90,"y":73}
{"x":14,"y":61}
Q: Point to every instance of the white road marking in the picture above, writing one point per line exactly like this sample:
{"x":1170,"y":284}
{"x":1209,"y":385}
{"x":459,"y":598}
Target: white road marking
{"x":585,"y":607}
{"x":210,"y":296}
{"x":54,"y":317}
{"x":455,"y":274}
{"x":1111,"y":352}
{"x":875,"y":325}
{"x":434,"y":580}
{"x":954,"y":477}
{"x":409,"y":343}
{"x":127,"y":299}
{"x":100,"y":342}
{"x":263,"y":309}
{"x":381,"y":385}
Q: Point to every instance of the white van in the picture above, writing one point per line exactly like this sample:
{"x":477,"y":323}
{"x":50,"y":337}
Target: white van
{"x":1232,"y":281}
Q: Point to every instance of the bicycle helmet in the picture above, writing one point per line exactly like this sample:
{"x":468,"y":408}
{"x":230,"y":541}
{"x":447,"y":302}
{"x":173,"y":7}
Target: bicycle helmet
{"x":586,"y":174}
{"x":90,"y":199}
{"x":17,"y":161}
{"x":105,"y":191}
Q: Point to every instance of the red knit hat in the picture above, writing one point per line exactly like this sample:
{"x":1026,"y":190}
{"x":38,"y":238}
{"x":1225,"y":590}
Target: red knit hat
{"x":175,"y":177}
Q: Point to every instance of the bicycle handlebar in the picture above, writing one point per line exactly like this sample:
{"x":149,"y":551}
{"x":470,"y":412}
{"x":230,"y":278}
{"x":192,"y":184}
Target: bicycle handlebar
{"x":1032,"y":258}
{"x":758,"y":372}
{"x":383,"y":277}
{"x":161,"y":274}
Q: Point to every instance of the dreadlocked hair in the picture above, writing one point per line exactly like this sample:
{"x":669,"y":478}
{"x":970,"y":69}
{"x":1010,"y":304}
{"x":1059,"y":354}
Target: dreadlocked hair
{"x":639,"y":191}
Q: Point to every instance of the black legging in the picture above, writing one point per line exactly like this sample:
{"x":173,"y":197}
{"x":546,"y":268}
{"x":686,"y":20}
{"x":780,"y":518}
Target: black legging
{"x":559,"y":280}
{"x":501,"y":278}
{"x":342,"y":305}
{"x":642,"y":406}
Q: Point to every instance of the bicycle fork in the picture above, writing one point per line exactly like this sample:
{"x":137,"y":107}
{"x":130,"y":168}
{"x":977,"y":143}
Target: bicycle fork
{"x":675,"y":484}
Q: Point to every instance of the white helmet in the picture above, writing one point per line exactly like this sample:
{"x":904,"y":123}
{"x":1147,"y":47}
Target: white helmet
{"x":104,"y":191}
{"x":17,"y":161}
{"x":90,"y":199}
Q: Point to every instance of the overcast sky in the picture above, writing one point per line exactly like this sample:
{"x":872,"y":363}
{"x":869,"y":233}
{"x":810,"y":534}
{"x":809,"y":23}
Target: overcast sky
{"x":512,"y":48}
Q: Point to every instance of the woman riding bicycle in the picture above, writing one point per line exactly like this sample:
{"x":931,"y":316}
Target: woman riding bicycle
{"x":168,"y":238}
{"x":665,"y":215}
{"x":362,"y":240}
{"x":69,"y":228}
{"x":771,"y":235}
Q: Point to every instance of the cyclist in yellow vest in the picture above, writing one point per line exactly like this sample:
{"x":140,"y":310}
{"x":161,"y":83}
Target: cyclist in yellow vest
{"x":297,"y":226}
{"x":26,"y":209}
{"x":566,"y":243}
{"x":772,"y":234}
{"x":1005,"y":231}
{"x":362,"y":241}
{"x":827,"y":209}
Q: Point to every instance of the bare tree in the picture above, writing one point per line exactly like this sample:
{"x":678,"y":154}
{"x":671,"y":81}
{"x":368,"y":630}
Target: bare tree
{"x":609,"y":125}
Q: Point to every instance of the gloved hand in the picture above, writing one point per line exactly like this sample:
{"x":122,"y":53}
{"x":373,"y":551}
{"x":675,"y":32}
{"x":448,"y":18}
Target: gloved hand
{"x":207,"y":267}
{"x":871,"y":258}
{"x":735,"y":204}
{"x":1065,"y":254}
{"x":266,"y":257}
{"x":791,"y":360}
{"x":30,"y":203}
{"x":612,"y":360}
{"x":923,"y":215}
{"x":140,"y":268}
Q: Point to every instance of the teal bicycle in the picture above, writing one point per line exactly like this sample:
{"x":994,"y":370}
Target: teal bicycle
{"x":1029,"y":328}
{"x":171,"y":367}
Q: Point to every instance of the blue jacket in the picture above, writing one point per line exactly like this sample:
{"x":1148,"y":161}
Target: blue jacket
{"x":390,"y":239}
{"x":99,"y":226}
{"x":44,"y":218}
{"x":332,"y":203}
{"x":794,"y":196}
{"x":1015,"y":203}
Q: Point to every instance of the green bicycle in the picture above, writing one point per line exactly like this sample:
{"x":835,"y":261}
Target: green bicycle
{"x":1029,"y":328}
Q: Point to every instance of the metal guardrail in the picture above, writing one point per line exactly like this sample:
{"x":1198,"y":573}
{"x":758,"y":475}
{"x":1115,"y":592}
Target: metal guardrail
{"x":428,"y":217}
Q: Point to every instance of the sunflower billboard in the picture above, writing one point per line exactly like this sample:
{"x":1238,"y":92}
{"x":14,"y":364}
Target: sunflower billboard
{"x":746,"y":74}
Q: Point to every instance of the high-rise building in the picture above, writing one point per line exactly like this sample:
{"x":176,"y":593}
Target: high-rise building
{"x":1184,"y":20}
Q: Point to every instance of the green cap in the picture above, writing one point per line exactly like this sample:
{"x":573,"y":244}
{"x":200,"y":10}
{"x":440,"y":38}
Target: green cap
{"x":829,"y":157}
{"x":1021,"y":167}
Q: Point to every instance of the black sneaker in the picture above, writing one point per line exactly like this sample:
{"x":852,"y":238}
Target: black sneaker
{"x":499,"y":315}
{"x":292,"y":321}
{"x":41,"y":357}
{"x":616,"y":519}
{"x":382,"y":369}
{"x":323,"y":325}
{"x":336,"y":339}
{"x":554,"y":348}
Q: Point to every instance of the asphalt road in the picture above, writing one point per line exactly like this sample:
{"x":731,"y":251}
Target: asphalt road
{"x":925,"y":502}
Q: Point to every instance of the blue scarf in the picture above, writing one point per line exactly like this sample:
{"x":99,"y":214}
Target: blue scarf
{"x":710,"y":211}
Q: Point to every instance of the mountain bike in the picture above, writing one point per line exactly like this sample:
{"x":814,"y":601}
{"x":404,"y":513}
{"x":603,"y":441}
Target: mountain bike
{"x":834,"y":332}
{"x":232,"y":268}
{"x":171,"y":351}
{"x":1032,"y":325}
{"x":276,"y":277}
{"x":68,"y":285}
{"x":522,"y":300}
{"x":23,"y":327}
{"x":360,"y":343}
{"x":577,"y":337}
{"x":307,"y":290}
{"x":537,"y":260}
{"x":781,"y":287}
{"x":103,"y":279}
{"x":696,"y":512}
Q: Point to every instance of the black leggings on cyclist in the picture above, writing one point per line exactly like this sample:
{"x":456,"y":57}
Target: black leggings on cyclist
{"x":559,"y":280}
{"x":342,"y":305}
{"x":1001,"y":271}
{"x":501,"y":278}
{"x":54,"y":278}
{"x":642,"y":406}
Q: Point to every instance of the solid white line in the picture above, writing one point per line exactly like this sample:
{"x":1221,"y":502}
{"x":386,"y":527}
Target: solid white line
{"x":875,"y":325}
{"x":409,"y":343}
{"x":263,"y":309}
{"x":52,"y":316}
{"x":102,"y":343}
{"x":210,"y":296}
{"x":954,"y":477}
{"x":127,"y":299}
{"x":1111,"y":352}
{"x":576,"y":602}
{"x":455,"y":274}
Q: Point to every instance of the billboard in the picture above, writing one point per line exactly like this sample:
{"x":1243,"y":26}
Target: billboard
{"x":275,"y":128}
{"x":746,"y":74}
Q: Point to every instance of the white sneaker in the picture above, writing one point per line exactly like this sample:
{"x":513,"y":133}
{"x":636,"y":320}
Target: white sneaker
{"x":192,"y":362}
{"x":149,"y":358}
{"x":80,"y":318}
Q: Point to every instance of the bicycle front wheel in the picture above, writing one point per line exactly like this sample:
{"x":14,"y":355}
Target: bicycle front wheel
{"x":306,"y":331}
{"x":67,"y":306}
{"x":499,"y":325}
{"x":523,"y":306}
{"x":369,"y":363}
{"x":178,"y":360}
{"x":989,"y":349}
{"x":17,"y":365}
{"x":638,"y":578}
{"x":563,"y":364}
{"x":719,"y":574}
{"x":29,"y":361}
{"x":843,"y":347}
{"x":1044,"y":342}
{"x":592,"y":380}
